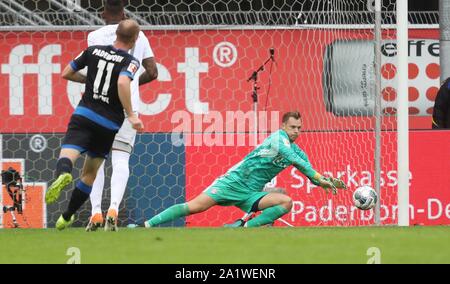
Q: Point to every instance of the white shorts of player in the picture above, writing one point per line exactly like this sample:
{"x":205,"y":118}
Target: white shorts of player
{"x":125,"y":138}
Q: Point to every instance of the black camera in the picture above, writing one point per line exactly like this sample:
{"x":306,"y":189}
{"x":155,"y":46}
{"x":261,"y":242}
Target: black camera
{"x":10,"y":177}
{"x":13,"y":181}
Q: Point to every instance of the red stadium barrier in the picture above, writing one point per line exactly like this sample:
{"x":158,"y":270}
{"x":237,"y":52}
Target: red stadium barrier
{"x":429,"y":187}
{"x":202,"y":71}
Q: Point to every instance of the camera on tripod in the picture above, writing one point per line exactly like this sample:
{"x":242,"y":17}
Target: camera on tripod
{"x":13,"y":181}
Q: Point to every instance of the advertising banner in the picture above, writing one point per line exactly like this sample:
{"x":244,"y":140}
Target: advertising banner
{"x":325,"y":74}
{"x":202,"y":89}
{"x":429,"y":190}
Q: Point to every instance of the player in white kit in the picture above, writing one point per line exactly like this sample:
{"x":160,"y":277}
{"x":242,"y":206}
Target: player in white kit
{"x":123,"y":144}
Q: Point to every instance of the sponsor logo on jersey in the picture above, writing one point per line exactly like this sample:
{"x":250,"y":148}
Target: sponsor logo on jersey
{"x":133,"y":67}
{"x":107,"y":56}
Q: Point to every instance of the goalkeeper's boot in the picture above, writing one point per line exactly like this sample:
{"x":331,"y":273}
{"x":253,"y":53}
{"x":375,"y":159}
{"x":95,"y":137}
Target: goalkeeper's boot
{"x":62,"y":224}
{"x":95,"y":222}
{"x":241,"y":221}
{"x":111,"y":221}
{"x":57,"y":186}
{"x":238,"y":223}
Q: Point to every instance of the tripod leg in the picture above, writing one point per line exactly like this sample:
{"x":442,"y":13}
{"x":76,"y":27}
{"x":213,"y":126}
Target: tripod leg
{"x":16,"y":225}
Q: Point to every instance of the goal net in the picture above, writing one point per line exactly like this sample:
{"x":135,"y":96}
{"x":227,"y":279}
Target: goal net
{"x":199,"y":114}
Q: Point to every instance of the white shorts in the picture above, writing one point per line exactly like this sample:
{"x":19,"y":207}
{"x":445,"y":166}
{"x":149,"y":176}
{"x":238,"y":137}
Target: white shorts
{"x":125,"y":138}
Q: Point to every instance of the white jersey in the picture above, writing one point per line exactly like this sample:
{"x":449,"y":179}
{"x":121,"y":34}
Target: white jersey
{"x":142,"y":50}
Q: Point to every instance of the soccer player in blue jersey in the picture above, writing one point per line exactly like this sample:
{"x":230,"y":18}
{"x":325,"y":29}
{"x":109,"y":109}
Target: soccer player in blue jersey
{"x":242,"y":186}
{"x":98,"y":116}
{"x":123,"y":144}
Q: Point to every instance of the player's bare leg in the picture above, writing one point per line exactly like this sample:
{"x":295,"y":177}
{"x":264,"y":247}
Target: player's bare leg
{"x":197,"y":205}
{"x":200,"y":203}
{"x":247,"y":216}
{"x":275,"y":190}
{"x":273,"y":206}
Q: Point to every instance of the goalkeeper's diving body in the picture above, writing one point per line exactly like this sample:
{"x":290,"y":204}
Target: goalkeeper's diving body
{"x":242,"y":186}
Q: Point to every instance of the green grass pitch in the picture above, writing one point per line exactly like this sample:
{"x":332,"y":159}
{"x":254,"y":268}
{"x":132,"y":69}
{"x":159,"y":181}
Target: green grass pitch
{"x":226,"y":245}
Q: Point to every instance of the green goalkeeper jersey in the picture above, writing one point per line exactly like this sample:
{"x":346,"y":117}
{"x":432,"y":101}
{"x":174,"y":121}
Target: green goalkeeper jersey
{"x":265,"y":162}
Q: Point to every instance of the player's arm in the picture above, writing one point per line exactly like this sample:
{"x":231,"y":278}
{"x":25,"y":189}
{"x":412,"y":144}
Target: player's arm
{"x":314,"y":176}
{"x":124,"y":90}
{"x":72,"y":75}
{"x":151,"y":71}
{"x":338,"y":183}
{"x":148,"y":63}
{"x":441,"y":106}
{"x":282,"y":145}
{"x":71,"y":71}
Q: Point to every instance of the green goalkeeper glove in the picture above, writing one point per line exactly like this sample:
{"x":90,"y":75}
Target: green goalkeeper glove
{"x":332,"y":183}
{"x":338,"y":183}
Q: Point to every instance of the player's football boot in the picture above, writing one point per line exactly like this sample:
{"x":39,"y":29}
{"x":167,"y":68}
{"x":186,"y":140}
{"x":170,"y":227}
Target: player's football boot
{"x":57,"y":186}
{"x":238,"y":223}
{"x":62,"y":224}
{"x":241,"y":221}
{"x":95,"y":222}
{"x":133,"y":226}
{"x":111,"y":221}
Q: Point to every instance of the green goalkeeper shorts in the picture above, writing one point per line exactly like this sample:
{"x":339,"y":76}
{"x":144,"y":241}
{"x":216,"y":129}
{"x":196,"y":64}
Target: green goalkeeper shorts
{"x":227,"y":192}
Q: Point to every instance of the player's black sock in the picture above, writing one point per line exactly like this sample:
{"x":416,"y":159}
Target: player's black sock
{"x":79,"y":195}
{"x":64,"y":165}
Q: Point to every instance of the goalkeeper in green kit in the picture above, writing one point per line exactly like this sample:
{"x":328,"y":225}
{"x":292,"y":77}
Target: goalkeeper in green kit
{"x":242,"y":186}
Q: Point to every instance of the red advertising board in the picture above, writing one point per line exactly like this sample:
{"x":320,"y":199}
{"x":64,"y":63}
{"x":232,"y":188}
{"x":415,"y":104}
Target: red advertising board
{"x":206,"y":70}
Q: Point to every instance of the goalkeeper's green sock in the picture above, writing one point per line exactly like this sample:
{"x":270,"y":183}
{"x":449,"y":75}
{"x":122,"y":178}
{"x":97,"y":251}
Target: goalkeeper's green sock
{"x":171,"y":213}
{"x":267,"y":216}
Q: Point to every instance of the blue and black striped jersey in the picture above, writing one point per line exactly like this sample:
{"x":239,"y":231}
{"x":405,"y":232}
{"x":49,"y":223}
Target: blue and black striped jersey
{"x":100,"y":101}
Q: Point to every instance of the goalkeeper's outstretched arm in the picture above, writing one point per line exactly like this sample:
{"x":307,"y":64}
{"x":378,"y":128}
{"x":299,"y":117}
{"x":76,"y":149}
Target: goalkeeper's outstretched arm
{"x":282,"y":146}
{"x":335,"y":181}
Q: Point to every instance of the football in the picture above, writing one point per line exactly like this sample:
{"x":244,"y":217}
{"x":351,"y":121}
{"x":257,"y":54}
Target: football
{"x":365,"y":197}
